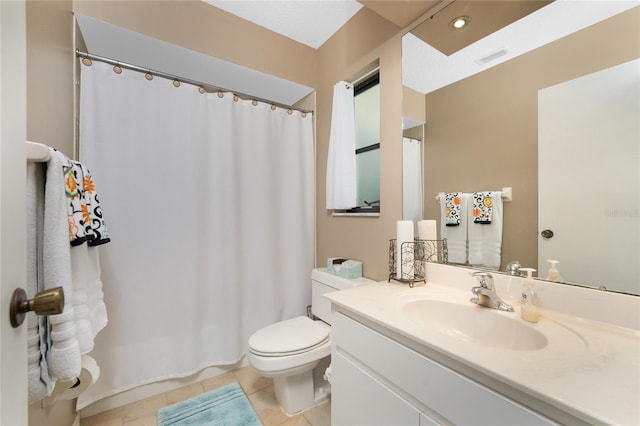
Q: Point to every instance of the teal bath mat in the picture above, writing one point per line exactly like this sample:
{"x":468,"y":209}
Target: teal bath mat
{"x":224,"y":406}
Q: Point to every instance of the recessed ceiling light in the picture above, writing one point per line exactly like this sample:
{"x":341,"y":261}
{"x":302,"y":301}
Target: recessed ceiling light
{"x":459,"y":22}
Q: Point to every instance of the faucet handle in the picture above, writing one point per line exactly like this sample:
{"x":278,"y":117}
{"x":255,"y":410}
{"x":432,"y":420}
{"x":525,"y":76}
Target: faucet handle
{"x":513,"y":268}
{"x":484,"y":278}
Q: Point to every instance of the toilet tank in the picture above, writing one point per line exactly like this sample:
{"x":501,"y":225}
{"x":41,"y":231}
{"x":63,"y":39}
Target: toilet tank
{"x":324,"y":282}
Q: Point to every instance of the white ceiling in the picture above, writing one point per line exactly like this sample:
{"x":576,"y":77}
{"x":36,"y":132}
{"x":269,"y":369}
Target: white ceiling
{"x":311,"y":22}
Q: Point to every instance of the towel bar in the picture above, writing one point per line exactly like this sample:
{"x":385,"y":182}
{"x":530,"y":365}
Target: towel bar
{"x":37,"y":152}
{"x":507,"y":194}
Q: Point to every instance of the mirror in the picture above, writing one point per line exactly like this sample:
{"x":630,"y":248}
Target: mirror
{"x":481,"y":133}
{"x":412,"y":155}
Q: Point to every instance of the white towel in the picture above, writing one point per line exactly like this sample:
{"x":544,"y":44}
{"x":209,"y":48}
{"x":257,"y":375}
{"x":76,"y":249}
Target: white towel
{"x":80,"y":300}
{"x":40,"y":383}
{"x":97,"y":308}
{"x":485,"y":240}
{"x":64,"y":354}
{"x":88,"y":299}
{"x":456,"y":235}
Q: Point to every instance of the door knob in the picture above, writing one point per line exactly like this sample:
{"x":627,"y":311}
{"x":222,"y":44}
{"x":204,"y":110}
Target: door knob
{"x":47,"y":302}
{"x":547,"y":233}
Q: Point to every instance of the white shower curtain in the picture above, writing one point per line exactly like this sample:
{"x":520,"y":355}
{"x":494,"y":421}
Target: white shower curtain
{"x":411,"y":179}
{"x":342,"y":187}
{"x":210,"y":206}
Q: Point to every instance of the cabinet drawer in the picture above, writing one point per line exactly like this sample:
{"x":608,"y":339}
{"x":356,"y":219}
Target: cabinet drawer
{"x":358,"y":399}
{"x":440,"y":389}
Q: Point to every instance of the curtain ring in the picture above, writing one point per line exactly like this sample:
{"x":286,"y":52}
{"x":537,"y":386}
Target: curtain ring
{"x":176,"y":83}
{"x":87,"y":62}
{"x":236,"y":98}
{"x":273,"y":107}
{"x":220,"y":94}
{"x":290,"y":112}
{"x":201,"y":89}
{"x":117,"y":69}
{"x":254,"y":102}
{"x":304,"y":115}
{"x":148,"y":76}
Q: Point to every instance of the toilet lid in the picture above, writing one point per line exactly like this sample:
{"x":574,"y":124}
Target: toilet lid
{"x":290,"y":336}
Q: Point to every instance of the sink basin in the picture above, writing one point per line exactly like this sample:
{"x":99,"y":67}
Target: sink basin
{"x":476,"y":324}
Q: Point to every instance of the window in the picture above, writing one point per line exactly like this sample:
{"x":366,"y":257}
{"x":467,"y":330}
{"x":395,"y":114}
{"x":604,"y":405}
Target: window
{"x":367,"y":126}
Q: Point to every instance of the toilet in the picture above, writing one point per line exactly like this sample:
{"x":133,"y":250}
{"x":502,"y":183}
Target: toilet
{"x":296,"y":352}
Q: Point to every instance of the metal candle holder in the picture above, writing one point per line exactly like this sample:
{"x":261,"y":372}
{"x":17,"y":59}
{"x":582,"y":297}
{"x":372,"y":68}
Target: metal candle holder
{"x":414,"y":254}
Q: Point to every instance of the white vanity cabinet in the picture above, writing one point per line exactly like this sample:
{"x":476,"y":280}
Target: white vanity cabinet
{"x":378,"y":381}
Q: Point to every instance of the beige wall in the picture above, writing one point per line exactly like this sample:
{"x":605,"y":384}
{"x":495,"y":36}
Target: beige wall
{"x":50,"y":74}
{"x":482,"y":132}
{"x":363,"y":40}
{"x":50,"y":117}
{"x":413,"y":105}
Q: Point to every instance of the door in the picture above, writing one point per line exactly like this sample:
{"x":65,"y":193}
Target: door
{"x":13,"y":128}
{"x":589,"y":178}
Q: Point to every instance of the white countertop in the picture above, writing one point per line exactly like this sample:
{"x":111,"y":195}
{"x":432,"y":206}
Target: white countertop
{"x":588,"y":369}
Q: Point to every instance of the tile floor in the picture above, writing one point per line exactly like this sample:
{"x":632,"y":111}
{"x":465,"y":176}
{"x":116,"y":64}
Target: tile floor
{"x":259,"y":391}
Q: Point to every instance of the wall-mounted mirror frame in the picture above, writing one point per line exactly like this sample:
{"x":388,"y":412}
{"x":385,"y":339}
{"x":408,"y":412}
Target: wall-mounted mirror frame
{"x":498,"y":122}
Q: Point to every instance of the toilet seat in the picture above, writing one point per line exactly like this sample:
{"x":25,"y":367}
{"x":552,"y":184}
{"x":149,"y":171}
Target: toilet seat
{"x":290,"y":337}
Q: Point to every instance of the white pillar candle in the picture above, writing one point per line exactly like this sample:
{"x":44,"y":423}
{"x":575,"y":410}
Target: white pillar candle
{"x":404,"y":261}
{"x":427,"y":230}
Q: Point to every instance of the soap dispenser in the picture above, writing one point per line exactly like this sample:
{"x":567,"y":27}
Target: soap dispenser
{"x":528,"y":309}
{"x":553,"y":274}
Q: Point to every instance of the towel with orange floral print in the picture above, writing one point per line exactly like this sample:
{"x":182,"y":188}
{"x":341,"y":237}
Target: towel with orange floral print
{"x":452,"y":201}
{"x":86,"y":223}
{"x":482,"y":207}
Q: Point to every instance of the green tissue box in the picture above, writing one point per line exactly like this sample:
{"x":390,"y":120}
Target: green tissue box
{"x":345,"y":268}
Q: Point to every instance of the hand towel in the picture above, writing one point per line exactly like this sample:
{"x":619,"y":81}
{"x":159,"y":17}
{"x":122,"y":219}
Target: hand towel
{"x":86,"y":224}
{"x":39,"y":381}
{"x":456,"y":235}
{"x":452,"y":205}
{"x":482,"y":207}
{"x":76,"y":209}
{"x":95,"y":230}
{"x":485,"y":240}
{"x":64,"y":354}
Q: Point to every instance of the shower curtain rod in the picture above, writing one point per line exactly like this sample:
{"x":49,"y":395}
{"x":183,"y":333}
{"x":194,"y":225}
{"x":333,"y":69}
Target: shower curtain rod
{"x":184,"y":80}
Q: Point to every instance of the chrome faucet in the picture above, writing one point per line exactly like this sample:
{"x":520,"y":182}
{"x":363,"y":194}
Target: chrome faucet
{"x":513,"y":268}
{"x":485,"y":294}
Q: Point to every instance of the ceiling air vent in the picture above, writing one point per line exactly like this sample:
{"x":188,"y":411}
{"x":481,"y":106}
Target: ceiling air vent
{"x":491,"y":57}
